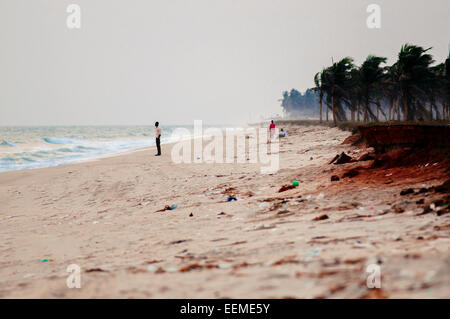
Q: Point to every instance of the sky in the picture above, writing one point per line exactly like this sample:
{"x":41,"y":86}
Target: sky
{"x":133,"y":62}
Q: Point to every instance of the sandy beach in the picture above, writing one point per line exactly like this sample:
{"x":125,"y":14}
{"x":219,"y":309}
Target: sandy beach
{"x":312,"y":241}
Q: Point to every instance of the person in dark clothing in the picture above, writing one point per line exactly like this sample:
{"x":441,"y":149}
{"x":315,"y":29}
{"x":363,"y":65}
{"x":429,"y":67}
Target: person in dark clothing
{"x":158,"y":138}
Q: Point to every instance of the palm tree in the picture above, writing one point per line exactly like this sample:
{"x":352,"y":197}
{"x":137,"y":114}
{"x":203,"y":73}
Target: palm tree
{"x":391,"y":91}
{"x":371,"y":76}
{"x":445,"y":89}
{"x":411,"y":88}
{"x":414,"y":75}
{"x":336,"y":82}
{"x":355,"y":94}
{"x":318,"y":80}
{"x":436,"y":90}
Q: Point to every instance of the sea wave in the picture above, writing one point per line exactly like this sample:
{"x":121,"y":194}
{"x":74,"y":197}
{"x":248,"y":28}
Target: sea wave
{"x":71,"y":152}
{"x":60,"y":140}
{"x":6,"y":143}
{"x":39,"y":147}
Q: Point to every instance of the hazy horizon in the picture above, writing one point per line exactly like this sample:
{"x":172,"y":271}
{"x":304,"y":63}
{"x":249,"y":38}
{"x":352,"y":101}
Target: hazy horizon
{"x":223,"y":62}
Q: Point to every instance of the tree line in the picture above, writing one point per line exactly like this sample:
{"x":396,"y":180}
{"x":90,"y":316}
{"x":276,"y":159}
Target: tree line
{"x":295,"y":103}
{"x":412,"y":89}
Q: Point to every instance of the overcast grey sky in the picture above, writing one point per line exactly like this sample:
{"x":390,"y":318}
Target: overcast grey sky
{"x":222,"y":61}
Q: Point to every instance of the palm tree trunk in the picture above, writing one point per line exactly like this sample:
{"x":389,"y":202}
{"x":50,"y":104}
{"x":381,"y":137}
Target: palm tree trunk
{"x":357,"y":111}
{"x":320,"y":109}
{"x":405,"y":109}
{"x":390,"y":110}
{"x":333,"y":109}
{"x":366,"y":105}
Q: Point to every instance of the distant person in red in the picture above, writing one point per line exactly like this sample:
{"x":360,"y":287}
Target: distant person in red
{"x":272,"y":130}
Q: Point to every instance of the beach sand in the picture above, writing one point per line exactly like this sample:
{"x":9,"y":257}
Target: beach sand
{"x":102,"y":215}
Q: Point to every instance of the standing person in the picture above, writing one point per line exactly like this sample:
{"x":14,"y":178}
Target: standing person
{"x":158,"y":138}
{"x":272,"y":130}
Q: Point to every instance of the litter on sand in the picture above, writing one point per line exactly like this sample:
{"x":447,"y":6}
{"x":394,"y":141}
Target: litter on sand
{"x":167,"y":207}
{"x":224,"y":266}
{"x":285,"y":188}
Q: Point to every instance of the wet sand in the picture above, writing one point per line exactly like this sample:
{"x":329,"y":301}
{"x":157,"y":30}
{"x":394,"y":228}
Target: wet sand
{"x":313,"y":241}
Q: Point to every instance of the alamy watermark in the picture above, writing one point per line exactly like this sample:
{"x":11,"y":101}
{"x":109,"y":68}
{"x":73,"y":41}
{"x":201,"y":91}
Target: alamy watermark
{"x":374,"y":19}
{"x":73,"y":20}
{"x":374,"y":278}
{"x":74,"y":279}
{"x":229,"y":145}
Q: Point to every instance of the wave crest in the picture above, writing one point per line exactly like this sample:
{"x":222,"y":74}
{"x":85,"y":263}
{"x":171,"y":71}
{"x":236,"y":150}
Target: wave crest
{"x":6,"y":143}
{"x":56,"y":140}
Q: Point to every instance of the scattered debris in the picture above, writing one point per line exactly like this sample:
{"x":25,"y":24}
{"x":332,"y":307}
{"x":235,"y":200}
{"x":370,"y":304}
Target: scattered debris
{"x":334,"y":159}
{"x":167,"y":207}
{"x":160,"y":270}
{"x":398,"y":209}
{"x":283,"y":212}
{"x":321,"y":274}
{"x":422,"y":190}
{"x":178,"y":241}
{"x":151,"y":268}
{"x":154,"y":261}
{"x":224,"y":266}
{"x":286,"y":260}
{"x":95,"y":270}
{"x":342,"y":159}
{"x":286,"y":188}
{"x":427,"y":209}
{"x":442,"y":227}
{"x":195,"y":266}
{"x":335,"y":178}
{"x":351,"y":173}
{"x":314,"y":253}
{"x":444,"y":188}
{"x":358,"y":244}
{"x":406,"y":192}
{"x":321,"y":217}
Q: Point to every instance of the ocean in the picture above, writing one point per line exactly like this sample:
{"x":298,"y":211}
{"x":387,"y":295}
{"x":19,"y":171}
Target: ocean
{"x":38,"y":147}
